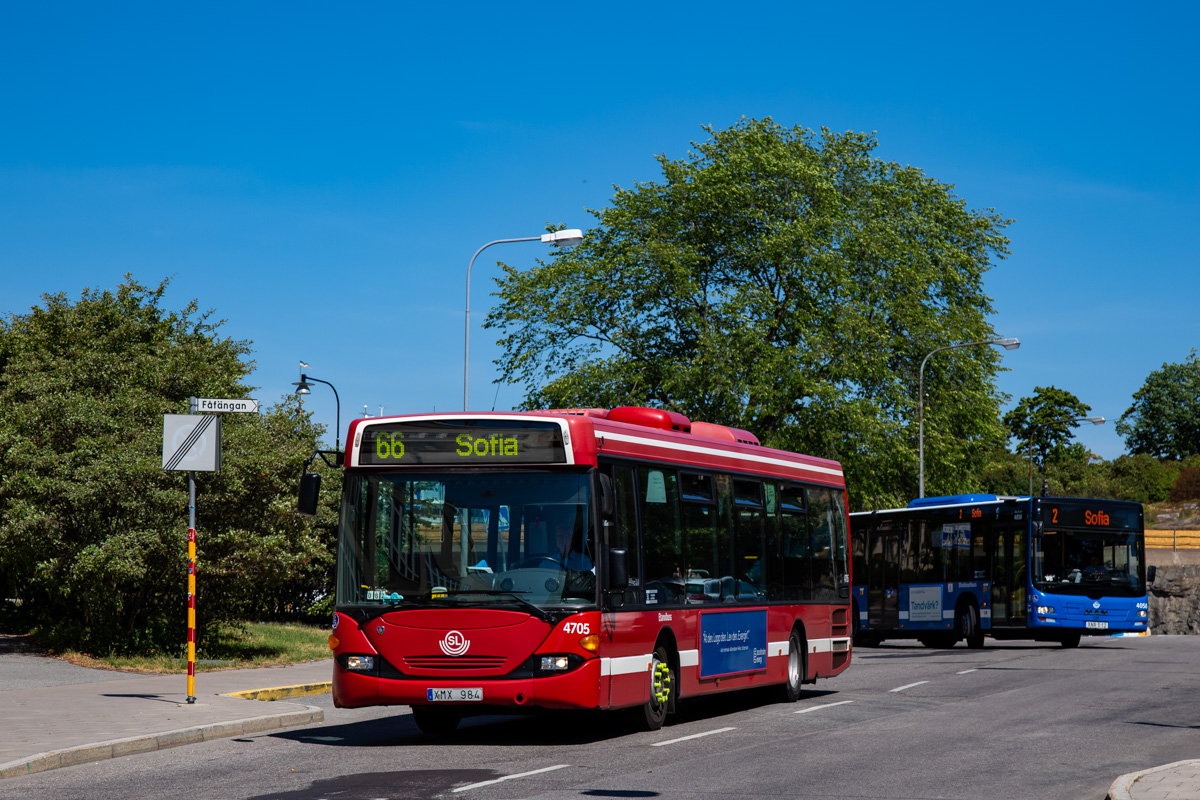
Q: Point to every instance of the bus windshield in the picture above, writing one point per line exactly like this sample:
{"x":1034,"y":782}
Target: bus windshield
{"x":1086,"y":562}
{"x":479,"y":539}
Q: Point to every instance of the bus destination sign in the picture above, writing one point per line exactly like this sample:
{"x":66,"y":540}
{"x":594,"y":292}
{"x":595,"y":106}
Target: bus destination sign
{"x":467,"y":442}
{"x":1091,"y":516}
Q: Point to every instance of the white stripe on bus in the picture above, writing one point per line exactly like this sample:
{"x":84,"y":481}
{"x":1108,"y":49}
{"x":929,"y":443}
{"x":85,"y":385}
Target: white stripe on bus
{"x":627,"y":665}
{"x":712,"y":451}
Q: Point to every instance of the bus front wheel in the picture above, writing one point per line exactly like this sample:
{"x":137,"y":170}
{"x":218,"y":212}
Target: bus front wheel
{"x":1070,"y":639}
{"x":969,"y":627}
{"x":662,"y":688}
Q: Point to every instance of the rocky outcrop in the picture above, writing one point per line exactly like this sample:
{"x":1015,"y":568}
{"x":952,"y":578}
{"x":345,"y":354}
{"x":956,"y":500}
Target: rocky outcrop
{"x":1175,"y":593}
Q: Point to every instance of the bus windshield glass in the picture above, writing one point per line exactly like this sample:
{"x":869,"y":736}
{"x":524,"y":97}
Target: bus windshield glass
{"x":1084,"y":556}
{"x":479,"y":539}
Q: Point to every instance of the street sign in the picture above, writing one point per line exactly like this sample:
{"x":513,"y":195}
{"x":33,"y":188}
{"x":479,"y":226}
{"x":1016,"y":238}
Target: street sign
{"x":215,"y":405}
{"x":191,"y":442}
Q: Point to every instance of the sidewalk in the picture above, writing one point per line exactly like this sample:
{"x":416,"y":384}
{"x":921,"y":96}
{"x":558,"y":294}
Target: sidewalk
{"x":73,"y":715}
{"x":1177,"y":781}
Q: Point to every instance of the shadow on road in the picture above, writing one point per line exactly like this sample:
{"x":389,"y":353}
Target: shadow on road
{"x":537,"y":729}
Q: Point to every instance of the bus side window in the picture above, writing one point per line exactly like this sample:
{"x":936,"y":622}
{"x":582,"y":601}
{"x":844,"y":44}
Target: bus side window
{"x":625,"y":534}
{"x":797,"y":550}
{"x":662,"y":535}
{"x":821,"y":530}
{"x":750,"y":552}
{"x":841,"y":543}
{"x":698,"y":570}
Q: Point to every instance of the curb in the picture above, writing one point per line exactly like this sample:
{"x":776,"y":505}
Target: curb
{"x":1122,"y":787}
{"x":157,"y":741}
{"x":284,"y":692}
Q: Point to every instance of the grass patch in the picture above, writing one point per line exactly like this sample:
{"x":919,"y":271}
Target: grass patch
{"x":254,"y":644}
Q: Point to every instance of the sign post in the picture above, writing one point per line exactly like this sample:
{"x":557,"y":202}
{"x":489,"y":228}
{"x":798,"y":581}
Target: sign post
{"x":192,"y":442}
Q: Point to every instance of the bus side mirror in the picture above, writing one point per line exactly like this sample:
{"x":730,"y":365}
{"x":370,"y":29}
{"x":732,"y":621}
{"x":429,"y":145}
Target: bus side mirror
{"x":618,"y":569}
{"x":1151,"y":571}
{"x":310,"y":489}
{"x":607,"y":505}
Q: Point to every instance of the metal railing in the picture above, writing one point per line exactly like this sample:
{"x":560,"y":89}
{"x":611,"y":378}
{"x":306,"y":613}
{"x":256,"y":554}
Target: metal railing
{"x":1174,"y":540}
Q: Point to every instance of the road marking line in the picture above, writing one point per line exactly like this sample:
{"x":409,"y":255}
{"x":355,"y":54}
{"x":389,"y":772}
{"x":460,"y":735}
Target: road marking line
{"x":907,"y":686}
{"x":511,"y":777}
{"x":827,"y":705}
{"x":966,"y":671}
{"x":693,"y":736}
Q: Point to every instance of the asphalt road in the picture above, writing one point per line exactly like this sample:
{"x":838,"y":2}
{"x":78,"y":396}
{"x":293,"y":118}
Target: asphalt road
{"x":1011,"y":721}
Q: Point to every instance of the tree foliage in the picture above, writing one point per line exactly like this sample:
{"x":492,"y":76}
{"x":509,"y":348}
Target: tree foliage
{"x":93,"y":533}
{"x":781,"y":281}
{"x":1042,"y":423}
{"x":1164,"y":420}
{"x":1187,"y":485}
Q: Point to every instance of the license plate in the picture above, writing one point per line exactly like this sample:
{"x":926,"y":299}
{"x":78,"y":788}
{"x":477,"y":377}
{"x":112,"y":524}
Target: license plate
{"x":1091,"y":624}
{"x":454,"y":695}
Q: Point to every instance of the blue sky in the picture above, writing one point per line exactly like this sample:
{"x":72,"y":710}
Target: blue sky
{"x":321,"y":175}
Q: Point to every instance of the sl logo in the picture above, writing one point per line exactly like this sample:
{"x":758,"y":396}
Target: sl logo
{"x":454,"y":644}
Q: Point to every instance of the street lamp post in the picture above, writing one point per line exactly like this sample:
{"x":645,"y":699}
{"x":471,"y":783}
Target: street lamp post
{"x":1006,"y":343}
{"x":571,"y":236}
{"x":1093,"y":420}
{"x":303,"y":388}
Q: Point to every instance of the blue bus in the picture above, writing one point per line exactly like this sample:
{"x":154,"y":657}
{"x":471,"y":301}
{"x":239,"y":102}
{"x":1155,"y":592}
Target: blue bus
{"x":947,"y":569}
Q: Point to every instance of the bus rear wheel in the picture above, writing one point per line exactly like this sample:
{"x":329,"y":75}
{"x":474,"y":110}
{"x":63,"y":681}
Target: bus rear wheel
{"x":653,"y":713}
{"x":795,"y":668}
{"x":969,"y":627}
{"x":435,"y":721}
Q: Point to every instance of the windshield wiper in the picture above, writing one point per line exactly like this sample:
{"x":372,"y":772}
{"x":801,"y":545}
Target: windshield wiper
{"x":537,"y":611}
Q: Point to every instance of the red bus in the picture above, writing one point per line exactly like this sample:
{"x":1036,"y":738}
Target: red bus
{"x":581,"y":559}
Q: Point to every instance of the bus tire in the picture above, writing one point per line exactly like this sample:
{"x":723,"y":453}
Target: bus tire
{"x":663,"y":686}
{"x":797,"y":668}
{"x":968,"y":625}
{"x":1071,"y":639}
{"x":435,"y":721}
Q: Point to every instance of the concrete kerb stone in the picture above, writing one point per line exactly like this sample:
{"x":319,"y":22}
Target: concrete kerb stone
{"x":157,"y":741}
{"x":285,"y":692}
{"x":1122,"y":787}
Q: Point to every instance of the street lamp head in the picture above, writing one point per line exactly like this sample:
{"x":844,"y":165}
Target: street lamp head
{"x":1010,"y":343}
{"x":303,"y":387}
{"x":567,"y":238}
{"x":1094,"y":420}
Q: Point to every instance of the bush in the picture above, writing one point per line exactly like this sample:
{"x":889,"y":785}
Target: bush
{"x":1187,"y":485}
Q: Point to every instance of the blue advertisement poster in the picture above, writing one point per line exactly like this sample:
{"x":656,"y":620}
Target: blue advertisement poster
{"x":732,"y":642}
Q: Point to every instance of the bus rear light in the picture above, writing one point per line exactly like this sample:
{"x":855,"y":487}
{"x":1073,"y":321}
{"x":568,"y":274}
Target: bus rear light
{"x":592,"y":643}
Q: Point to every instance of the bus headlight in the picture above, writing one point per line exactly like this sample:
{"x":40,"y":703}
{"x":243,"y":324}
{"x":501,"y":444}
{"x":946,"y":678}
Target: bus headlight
{"x":555,"y":663}
{"x":360,"y":663}
{"x":1143,"y":612}
{"x":1045,"y":610}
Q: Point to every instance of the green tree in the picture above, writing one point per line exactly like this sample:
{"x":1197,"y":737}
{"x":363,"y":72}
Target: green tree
{"x":1187,"y":485}
{"x":784,"y":282}
{"x":1164,"y":420}
{"x":1044,"y":421}
{"x":1143,"y":478}
{"x":93,"y":533}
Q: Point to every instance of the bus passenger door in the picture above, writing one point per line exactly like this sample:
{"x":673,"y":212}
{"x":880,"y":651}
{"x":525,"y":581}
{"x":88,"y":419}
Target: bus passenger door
{"x":883,"y":580}
{"x":1010,"y":573}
